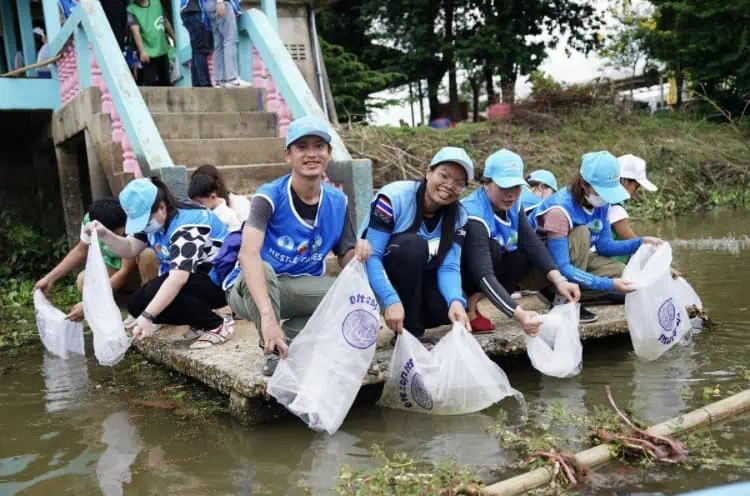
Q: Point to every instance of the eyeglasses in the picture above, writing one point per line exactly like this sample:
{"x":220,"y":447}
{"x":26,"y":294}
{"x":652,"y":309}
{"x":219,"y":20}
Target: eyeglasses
{"x":458,"y":185}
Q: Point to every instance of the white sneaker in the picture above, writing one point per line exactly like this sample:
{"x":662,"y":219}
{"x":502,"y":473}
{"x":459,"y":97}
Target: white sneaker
{"x":237,"y":83}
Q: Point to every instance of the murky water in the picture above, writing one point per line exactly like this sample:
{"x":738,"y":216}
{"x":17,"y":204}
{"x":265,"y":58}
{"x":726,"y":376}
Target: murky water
{"x":66,"y":427}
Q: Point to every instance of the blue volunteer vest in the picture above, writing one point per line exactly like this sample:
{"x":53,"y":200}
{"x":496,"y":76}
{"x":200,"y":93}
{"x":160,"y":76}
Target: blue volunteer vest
{"x":403,"y":198}
{"x":505,"y":232}
{"x":577,"y":216}
{"x":67,"y":7}
{"x":203,"y":222}
{"x":293,"y":247}
{"x":529,"y":201}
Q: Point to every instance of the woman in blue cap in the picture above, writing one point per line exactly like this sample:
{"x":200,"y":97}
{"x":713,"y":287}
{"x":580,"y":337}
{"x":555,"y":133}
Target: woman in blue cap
{"x":185,"y":238}
{"x":541,"y":184}
{"x":575,"y":219}
{"x":416,"y":232}
{"x":501,"y":249}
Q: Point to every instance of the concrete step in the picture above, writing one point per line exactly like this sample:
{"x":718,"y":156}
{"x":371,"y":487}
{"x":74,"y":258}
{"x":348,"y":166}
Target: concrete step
{"x":177,"y":100}
{"x":245,"y":179}
{"x":210,"y":125}
{"x":231,"y":151}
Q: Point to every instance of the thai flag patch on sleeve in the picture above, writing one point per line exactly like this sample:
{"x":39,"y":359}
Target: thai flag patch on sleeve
{"x":383,"y":211}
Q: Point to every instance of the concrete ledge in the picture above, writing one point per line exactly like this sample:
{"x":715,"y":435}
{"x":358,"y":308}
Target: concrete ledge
{"x":356,"y":175}
{"x":234,"y":368}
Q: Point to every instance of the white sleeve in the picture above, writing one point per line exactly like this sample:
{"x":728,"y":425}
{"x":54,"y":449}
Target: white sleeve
{"x":616,"y":214}
{"x":241,"y":205}
{"x":228,"y":217}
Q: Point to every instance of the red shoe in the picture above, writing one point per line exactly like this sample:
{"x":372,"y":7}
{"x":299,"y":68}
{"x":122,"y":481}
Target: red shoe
{"x":481,"y":324}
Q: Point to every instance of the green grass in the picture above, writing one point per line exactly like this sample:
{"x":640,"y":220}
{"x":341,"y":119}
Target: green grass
{"x":697,"y":164}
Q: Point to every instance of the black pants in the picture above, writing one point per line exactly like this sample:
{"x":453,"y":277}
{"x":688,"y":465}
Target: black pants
{"x":201,"y":44}
{"x":192,"y":306}
{"x":510,"y":268}
{"x":405,"y":263}
{"x":155,"y":73}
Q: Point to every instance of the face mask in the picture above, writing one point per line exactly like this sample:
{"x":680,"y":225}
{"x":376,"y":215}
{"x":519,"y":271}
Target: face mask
{"x":152,"y":227}
{"x":595,"y":200}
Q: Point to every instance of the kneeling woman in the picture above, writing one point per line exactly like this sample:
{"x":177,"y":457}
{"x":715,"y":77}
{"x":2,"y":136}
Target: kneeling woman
{"x":501,"y":250}
{"x":185,"y":237}
{"x":416,"y":232}
{"x":575,"y":219}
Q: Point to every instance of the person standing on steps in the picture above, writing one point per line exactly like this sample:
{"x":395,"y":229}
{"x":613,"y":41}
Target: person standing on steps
{"x":223,"y":16}
{"x":295,"y":222}
{"x":416,"y":229}
{"x":501,"y":252}
{"x":150,"y":29}
{"x":186,"y":237}
{"x":574,"y":220}
{"x":195,"y":20}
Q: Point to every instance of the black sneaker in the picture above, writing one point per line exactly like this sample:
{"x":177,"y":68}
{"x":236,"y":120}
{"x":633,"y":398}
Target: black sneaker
{"x":270,"y":366}
{"x":586,"y":317}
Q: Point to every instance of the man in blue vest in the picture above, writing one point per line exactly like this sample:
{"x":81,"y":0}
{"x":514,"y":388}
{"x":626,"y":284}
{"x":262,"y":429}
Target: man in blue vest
{"x":294,"y":222}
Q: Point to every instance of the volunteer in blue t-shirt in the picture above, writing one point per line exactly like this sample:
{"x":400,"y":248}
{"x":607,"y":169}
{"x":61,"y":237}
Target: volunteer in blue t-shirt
{"x":501,"y":252}
{"x":185,"y":238}
{"x":540,"y":185}
{"x":294,"y":223}
{"x":574,"y":220}
{"x":416,"y":232}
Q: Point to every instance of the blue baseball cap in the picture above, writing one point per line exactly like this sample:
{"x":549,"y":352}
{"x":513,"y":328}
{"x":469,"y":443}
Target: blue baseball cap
{"x":309,"y":125}
{"x":137,"y":199}
{"x":545,"y":177}
{"x":505,"y":168}
{"x":456,"y":155}
{"x":602,"y":171}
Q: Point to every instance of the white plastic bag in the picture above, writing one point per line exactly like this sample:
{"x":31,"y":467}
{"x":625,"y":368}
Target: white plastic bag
{"x":557,"y":349}
{"x":687,"y":297}
{"x":329,"y":358}
{"x":656,"y":318}
{"x":100,"y":309}
{"x":59,"y":336}
{"x":454,"y":378}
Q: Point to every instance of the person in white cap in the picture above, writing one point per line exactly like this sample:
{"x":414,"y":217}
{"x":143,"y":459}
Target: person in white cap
{"x":632,"y":178}
{"x":416,"y":229}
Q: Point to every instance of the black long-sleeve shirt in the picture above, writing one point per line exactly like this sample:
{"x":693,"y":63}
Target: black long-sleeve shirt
{"x":477,"y":254}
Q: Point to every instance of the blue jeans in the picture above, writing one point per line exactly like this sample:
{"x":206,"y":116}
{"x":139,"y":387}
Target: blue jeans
{"x":225,"y":41}
{"x":200,"y":45}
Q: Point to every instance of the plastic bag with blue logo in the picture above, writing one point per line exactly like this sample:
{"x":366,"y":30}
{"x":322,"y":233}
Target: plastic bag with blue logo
{"x":59,"y":335}
{"x":329,"y":358}
{"x":657,"y":319}
{"x":557,"y":350}
{"x":454,"y":378}
{"x":102,"y":313}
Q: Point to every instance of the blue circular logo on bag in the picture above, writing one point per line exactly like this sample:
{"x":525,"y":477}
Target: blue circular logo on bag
{"x":360,"y":329}
{"x":668,"y":315}
{"x":419,"y":392}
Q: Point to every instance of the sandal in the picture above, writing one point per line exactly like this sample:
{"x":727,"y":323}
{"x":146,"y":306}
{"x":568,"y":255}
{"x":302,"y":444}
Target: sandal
{"x":214,"y":337}
{"x":481,"y":324}
{"x":270,"y":366}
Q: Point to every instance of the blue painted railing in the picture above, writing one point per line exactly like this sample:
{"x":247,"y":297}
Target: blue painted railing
{"x":89,"y":28}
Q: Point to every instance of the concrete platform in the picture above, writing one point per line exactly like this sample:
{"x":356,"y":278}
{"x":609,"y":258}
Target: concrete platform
{"x":234,"y":368}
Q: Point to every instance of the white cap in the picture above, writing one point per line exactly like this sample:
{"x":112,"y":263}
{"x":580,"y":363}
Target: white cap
{"x":632,"y":167}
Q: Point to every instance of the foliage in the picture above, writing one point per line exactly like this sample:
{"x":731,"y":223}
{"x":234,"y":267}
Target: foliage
{"x":404,"y":476}
{"x":625,"y":45}
{"x":17,"y":309}
{"x":352,"y":81}
{"x":26,"y":252}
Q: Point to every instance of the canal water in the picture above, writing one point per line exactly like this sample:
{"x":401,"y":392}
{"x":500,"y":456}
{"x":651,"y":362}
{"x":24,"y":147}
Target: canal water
{"x":72,"y":427}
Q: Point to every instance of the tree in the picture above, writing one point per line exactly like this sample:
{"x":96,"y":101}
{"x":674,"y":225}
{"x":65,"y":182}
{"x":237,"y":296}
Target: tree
{"x":352,"y":82}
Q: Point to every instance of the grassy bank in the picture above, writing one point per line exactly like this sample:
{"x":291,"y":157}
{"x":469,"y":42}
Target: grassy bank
{"x":698,"y":165}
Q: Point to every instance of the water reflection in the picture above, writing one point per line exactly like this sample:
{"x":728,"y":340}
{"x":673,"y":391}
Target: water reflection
{"x":123,"y":445}
{"x":66,"y":382}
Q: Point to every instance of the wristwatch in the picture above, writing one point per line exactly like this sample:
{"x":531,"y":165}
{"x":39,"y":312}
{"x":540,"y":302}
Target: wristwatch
{"x":147,"y":316}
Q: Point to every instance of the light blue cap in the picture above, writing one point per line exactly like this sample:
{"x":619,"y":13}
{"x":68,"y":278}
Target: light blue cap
{"x":602,"y":171}
{"x":505,"y":168}
{"x":137,"y":199}
{"x":456,"y":155}
{"x":545,"y":177}
{"x":309,"y":125}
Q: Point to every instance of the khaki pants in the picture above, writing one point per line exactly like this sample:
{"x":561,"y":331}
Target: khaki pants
{"x":579,"y":244}
{"x":292,"y":298}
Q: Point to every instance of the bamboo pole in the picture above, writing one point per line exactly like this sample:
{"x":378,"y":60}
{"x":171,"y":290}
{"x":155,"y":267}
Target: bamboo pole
{"x":592,"y":457}
{"x":21,"y":70}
